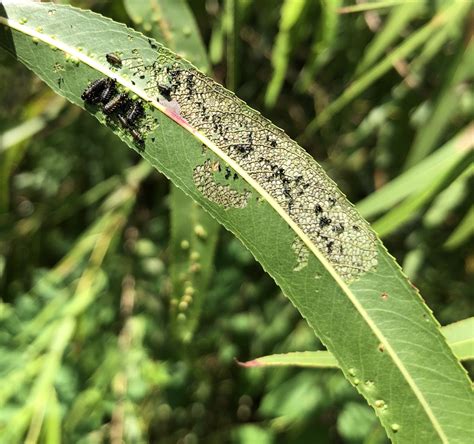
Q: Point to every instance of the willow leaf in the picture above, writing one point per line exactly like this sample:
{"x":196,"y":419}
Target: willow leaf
{"x":459,"y":335}
{"x":268,"y":191}
{"x":311,"y":359}
{"x":463,"y":231}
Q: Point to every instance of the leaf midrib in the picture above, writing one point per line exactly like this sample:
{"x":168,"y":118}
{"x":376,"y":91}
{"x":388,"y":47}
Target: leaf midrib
{"x":180,"y":121}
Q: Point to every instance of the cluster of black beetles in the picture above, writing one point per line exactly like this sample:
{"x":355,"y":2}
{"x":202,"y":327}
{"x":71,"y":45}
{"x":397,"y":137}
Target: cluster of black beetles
{"x":128,"y":112}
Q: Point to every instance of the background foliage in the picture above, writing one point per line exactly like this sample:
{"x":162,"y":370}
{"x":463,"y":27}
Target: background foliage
{"x":91,"y":344}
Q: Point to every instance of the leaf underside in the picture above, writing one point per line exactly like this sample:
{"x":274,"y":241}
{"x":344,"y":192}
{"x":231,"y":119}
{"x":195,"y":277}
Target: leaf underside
{"x":274,"y":197}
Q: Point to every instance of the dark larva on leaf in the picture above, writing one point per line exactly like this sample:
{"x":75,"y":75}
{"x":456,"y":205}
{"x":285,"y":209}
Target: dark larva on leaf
{"x":134,"y":113}
{"x":113,"y":59}
{"x":137,"y":137}
{"x":108,"y":91}
{"x":115,"y":103}
{"x":122,"y":120}
{"x":92,"y":93}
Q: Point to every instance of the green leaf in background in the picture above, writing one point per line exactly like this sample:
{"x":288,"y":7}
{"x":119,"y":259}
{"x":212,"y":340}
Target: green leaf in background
{"x":410,"y":206}
{"x":325,"y":34}
{"x":448,"y":199}
{"x":463,"y":231}
{"x":171,"y":22}
{"x":450,"y":12}
{"x":372,"y":5}
{"x":252,"y":433}
{"x":420,"y":177}
{"x":193,"y":241}
{"x":11,"y":142}
{"x":460,"y":73}
{"x":317,"y":359}
{"x":361,"y":306}
{"x":193,"y":232}
{"x":396,"y":23}
{"x":355,"y":422}
{"x":291,"y":11}
{"x":459,"y":335}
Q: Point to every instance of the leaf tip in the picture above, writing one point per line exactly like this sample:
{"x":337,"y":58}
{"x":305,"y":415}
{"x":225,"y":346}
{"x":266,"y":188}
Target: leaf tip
{"x":248,"y":364}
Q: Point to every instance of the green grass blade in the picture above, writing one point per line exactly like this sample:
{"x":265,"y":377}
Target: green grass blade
{"x":52,"y":420}
{"x":231,"y":29}
{"x":460,"y":336}
{"x":370,"y":6}
{"x":463,"y":232}
{"x":444,"y":109}
{"x":316,"y":359}
{"x":325,"y":35}
{"x":31,"y":126}
{"x":216,"y":43}
{"x":406,"y":48}
{"x":172,"y":23}
{"x":448,"y":199}
{"x":410,"y":207}
{"x":13,"y":142}
{"x":291,"y":12}
{"x":452,"y":31}
{"x":420,"y":176}
{"x":390,"y":347}
{"x":193,"y":240}
{"x":398,"y":19}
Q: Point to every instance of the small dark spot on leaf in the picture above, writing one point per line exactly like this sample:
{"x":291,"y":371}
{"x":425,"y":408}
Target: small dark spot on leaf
{"x":324,"y":221}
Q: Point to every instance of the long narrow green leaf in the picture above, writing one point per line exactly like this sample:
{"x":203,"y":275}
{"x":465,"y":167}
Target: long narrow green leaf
{"x":463,"y":231}
{"x":52,"y":421}
{"x":459,"y":335}
{"x":31,"y":126}
{"x":316,"y":359}
{"x":216,"y":43}
{"x":451,"y":31}
{"x":396,"y":22}
{"x":231,"y":26}
{"x":13,"y":142}
{"x":193,"y":241}
{"x":420,"y":176}
{"x":172,"y":22}
{"x":291,"y":12}
{"x":449,"y":198}
{"x":370,"y":6}
{"x":281,"y":205}
{"x":444,"y":108}
{"x":410,"y":207}
{"x":406,"y":48}
{"x":325,"y":34}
